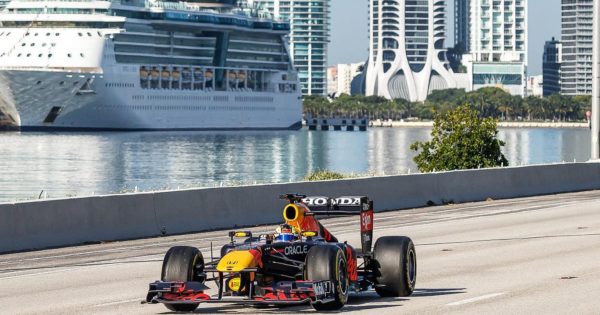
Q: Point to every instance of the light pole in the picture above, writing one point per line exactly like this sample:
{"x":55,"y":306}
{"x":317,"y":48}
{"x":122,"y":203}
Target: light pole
{"x":596,"y":85}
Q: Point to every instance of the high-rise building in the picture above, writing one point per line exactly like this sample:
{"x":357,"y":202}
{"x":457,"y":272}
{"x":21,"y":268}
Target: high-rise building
{"x":462,"y":23}
{"x":498,"y":45}
{"x":309,"y":38}
{"x":535,"y":86}
{"x":576,"y":68}
{"x":347,"y":73}
{"x":552,"y":67}
{"x":332,"y":77}
{"x":407,"y":58}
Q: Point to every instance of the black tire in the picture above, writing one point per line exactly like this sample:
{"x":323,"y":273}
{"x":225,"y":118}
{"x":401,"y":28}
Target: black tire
{"x":181,"y":264}
{"x":395,"y":266}
{"x":328,"y":262}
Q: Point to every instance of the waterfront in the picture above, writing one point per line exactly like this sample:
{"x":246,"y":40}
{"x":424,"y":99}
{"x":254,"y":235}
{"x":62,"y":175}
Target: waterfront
{"x":79,"y":164}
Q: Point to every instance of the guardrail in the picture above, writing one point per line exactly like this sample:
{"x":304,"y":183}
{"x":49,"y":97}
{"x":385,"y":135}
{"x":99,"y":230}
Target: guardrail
{"x":64,"y":222}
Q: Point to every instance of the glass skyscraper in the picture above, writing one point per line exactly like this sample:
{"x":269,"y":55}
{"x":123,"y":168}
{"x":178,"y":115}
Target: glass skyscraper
{"x":309,"y":38}
{"x":577,"y":29}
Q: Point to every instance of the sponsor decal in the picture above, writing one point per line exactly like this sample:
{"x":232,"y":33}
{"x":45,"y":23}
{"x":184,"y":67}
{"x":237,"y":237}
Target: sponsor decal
{"x":365,"y":207}
{"x":321,"y":288}
{"x":366,"y":221}
{"x":366,"y":237}
{"x":352,"y":265}
{"x":324,"y":201}
{"x":296,"y":250}
{"x":234,"y":284}
{"x":234,"y":262}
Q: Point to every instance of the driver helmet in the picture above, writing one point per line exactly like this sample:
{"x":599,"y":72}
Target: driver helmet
{"x":286,"y":232}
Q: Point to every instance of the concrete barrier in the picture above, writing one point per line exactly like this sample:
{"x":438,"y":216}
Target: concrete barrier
{"x":63,"y":222}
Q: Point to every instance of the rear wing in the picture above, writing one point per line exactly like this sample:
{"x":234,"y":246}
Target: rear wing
{"x":351,"y":205}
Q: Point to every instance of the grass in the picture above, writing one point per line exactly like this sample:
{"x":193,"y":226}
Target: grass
{"x":324,"y":174}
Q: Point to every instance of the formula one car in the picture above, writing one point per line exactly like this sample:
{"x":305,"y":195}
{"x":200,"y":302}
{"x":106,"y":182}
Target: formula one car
{"x":302,"y":262}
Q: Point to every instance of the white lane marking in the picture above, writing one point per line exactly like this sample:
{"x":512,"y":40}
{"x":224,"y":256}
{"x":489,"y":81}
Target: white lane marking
{"x":120,"y":249}
{"x":431,"y":213}
{"x":86,"y":266}
{"x":476,"y":299}
{"x":93,"y":265}
{"x":431,"y":222}
{"x":457,"y":218}
{"x":118,"y":302}
{"x":112,"y":250}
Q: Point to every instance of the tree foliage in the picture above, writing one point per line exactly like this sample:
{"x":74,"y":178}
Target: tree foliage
{"x":460,"y":140}
{"x":489,"y":102}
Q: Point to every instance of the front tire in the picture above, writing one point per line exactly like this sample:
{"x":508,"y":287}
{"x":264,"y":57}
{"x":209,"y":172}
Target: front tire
{"x":327,"y":262}
{"x":395,"y":266}
{"x":181,"y":264}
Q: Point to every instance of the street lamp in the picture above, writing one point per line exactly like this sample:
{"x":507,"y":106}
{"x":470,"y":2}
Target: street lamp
{"x":596,"y":85}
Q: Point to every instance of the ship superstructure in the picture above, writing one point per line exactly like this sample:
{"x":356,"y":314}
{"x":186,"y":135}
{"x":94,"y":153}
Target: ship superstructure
{"x":145,"y":65}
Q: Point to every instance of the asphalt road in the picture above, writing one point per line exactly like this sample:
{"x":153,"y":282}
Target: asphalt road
{"x":503,"y":257}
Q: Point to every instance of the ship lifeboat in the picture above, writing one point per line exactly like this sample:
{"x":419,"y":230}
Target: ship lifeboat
{"x":186,"y":75}
{"x":165,"y":74}
{"x":208,"y":75}
{"x":175,"y":74}
{"x":143,"y":73}
{"x":198,"y":75}
{"x":241,"y":76}
{"x":154,"y":74}
{"x":232,"y":75}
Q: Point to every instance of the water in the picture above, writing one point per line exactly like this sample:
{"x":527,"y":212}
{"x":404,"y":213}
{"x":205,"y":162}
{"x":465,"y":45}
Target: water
{"x":78,"y":164}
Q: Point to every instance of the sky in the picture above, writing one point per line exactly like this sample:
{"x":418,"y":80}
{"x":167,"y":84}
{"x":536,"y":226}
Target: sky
{"x":349,"y":30}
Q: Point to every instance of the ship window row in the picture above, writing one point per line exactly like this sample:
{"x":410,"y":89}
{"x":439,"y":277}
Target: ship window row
{"x":235,"y":64}
{"x":121,"y":85}
{"x":41,"y":55}
{"x":161,"y":60}
{"x":165,"y":51}
{"x":89,"y":34}
{"x":58,"y":11}
{"x":200,"y":18}
{"x":273,"y":49}
{"x":180,"y":107}
{"x":189,"y":108}
{"x":265,"y":38}
{"x":246,"y":56}
{"x":179,"y":98}
{"x":262,"y":99}
{"x":33,"y":44}
{"x":59,"y":24}
{"x":241,"y":108}
{"x":200,"y":42}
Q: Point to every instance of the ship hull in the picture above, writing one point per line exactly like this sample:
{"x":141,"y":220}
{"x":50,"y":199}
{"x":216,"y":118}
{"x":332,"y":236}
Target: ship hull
{"x":114,"y":100}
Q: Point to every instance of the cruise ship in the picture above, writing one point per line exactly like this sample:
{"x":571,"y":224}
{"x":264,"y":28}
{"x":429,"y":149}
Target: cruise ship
{"x":146,"y":65}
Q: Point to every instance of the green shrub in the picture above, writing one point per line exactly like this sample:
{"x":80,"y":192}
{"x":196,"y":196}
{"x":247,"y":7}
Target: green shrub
{"x":325,"y":175}
{"x":460,"y":140}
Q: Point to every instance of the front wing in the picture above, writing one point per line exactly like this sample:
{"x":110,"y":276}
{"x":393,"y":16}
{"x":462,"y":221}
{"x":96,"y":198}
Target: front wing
{"x":286,"y":292}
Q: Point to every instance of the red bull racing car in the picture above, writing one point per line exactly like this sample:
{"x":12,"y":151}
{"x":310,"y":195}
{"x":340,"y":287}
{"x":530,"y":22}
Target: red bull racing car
{"x":301,"y":263}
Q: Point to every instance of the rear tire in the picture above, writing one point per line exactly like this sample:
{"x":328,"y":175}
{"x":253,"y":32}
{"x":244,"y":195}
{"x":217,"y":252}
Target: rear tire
{"x":180,"y":264}
{"x":395,"y":266}
{"x":328,"y":262}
